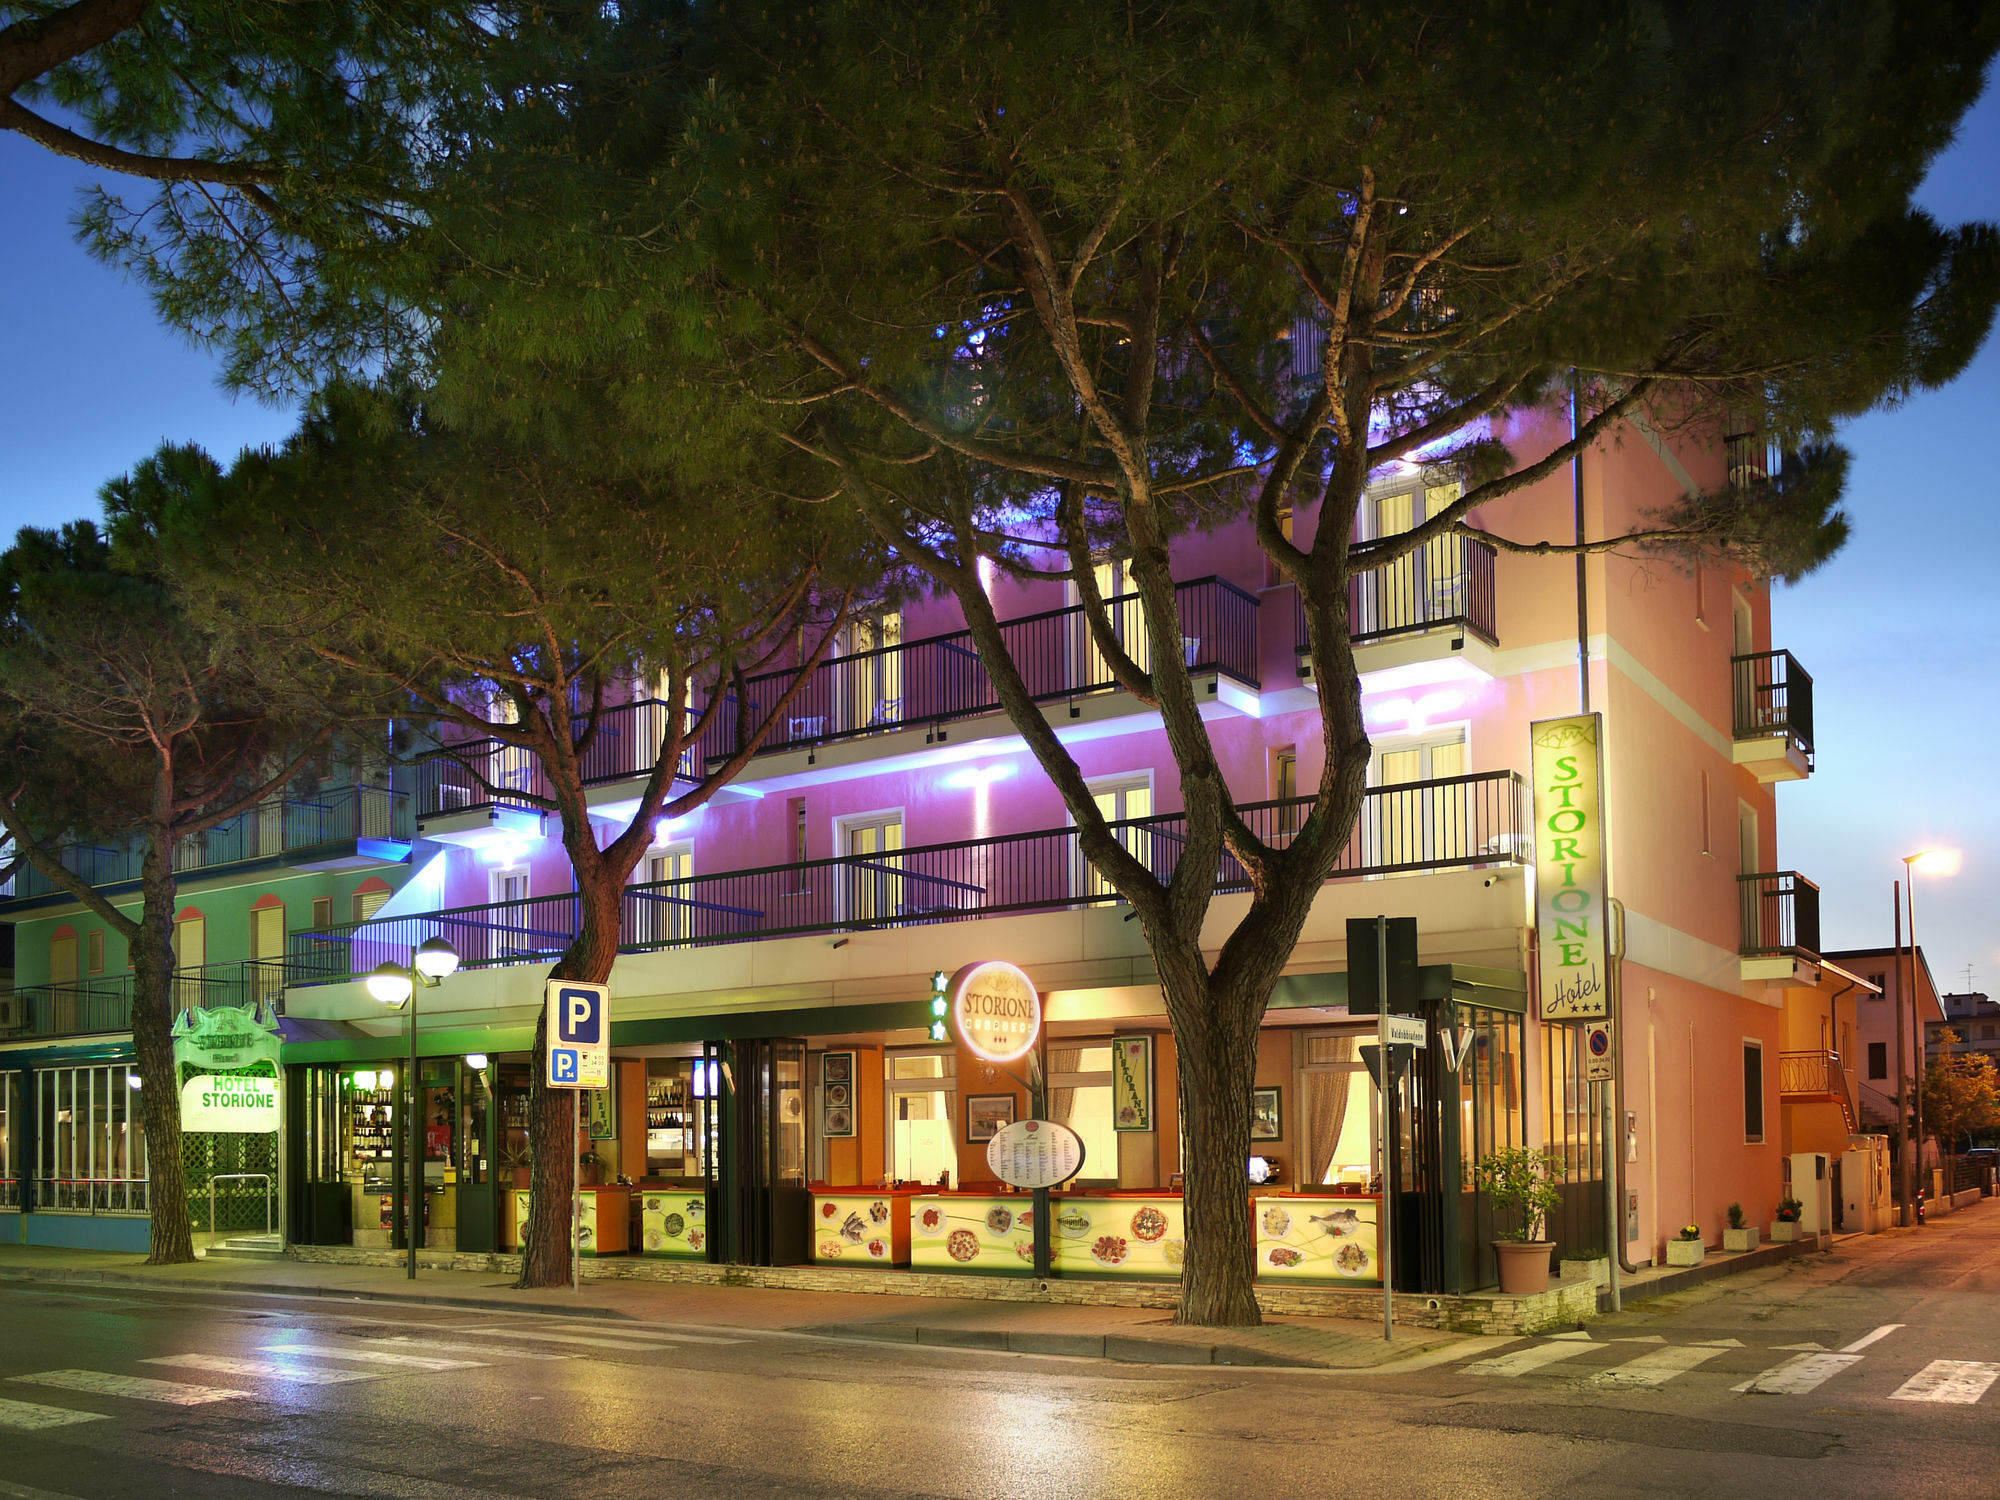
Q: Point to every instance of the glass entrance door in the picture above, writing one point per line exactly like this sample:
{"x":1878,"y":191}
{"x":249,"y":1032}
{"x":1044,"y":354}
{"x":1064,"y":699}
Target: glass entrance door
{"x":758,"y":1203}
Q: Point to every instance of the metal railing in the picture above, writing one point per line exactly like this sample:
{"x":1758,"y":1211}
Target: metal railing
{"x":1453,"y":822}
{"x":1780,"y":914}
{"x":1817,"y":1075}
{"x":280,"y":826}
{"x":96,"y":1006}
{"x":1773,"y":699}
{"x":911,"y":684}
{"x":263,"y":1177}
{"x":627,"y":743}
{"x":92,"y":1195}
{"x":1752,"y":458}
{"x":1443,"y":585}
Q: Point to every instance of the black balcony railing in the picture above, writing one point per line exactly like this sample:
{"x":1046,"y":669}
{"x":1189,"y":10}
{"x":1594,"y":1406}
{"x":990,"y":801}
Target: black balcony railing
{"x":1780,"y":915}
{"x":93,"y":1007}
{"x":281,"y":826}
{"x":1445,"y":584}
{"x":1435,"y":825}
{"x":627,"y":743}
{"x":1752,"y":458}
{"x":941,"y":678}
{"x":910,"y":684}
{"x":1773,"y":699}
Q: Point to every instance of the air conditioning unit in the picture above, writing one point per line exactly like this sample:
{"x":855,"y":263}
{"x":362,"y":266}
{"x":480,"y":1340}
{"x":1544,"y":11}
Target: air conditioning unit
{"x":13,"y":1013}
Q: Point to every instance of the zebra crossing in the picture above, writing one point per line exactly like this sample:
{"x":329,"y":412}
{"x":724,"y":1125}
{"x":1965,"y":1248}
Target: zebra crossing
{"x":1650,"y":1362}
{"x":327,"y":1358}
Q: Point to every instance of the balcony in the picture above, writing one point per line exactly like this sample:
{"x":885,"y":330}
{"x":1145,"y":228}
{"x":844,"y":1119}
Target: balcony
{"x":1780,"y":943}
{"x":1773,"y":715}
{"x":1816,"y":1078}
{"x":349,"y":827}
{"x":1752,"y":459}
{"x":1435,"y":603}
{"x":1452,"y":823}
{"x":925,"y":686}
{"x":101,"y":1006}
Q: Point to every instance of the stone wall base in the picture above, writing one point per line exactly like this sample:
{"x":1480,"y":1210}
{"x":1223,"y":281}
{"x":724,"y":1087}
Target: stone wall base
{"x":1566,"y":1302}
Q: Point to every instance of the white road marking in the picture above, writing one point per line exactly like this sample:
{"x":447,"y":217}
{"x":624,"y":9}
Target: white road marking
{"x":636,"y":1345}
{"x":1641,"y":1338}
{"x":1525,"y":1361}
{"x":1797,"y":1375}
{"x":137,"y":1387}
{"x":1576,"y":1333}
{"x":26,"y":1492}
{"x":450,"y":1348}
{"x":377,"y":1356}
{"x":1656,"y":1368}
{"x":1808,"y":1347}
{"x":303,"y":1374}
{"x":1866,"y":1339}
{"x":1959,"y":1381}
{"x":26,"y":1416}
{"x":1718,"y":1343}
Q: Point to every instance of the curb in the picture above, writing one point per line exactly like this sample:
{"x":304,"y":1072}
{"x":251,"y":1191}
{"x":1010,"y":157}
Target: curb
{"x":1709,"y":1270}
{"x":1112,"y":1346}
{"x":337,"y":1293}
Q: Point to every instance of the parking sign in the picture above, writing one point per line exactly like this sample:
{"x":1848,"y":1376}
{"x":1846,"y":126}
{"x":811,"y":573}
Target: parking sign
{"x":579,"y":1035}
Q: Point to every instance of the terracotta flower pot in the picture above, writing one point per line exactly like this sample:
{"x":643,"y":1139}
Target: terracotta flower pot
{"x":1524,"y":1266}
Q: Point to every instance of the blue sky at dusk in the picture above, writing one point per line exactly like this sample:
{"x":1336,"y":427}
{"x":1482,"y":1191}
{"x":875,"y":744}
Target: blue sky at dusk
{"x":1900,"y":632}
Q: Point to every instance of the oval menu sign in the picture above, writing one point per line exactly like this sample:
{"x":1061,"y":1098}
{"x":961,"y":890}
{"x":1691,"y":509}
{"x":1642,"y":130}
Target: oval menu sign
{"x":995,"y":1010}
{"x":1034,"y":1154}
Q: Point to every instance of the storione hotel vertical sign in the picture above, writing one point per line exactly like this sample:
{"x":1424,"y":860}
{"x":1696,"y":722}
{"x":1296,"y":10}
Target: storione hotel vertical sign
{"x":1571,"y":919}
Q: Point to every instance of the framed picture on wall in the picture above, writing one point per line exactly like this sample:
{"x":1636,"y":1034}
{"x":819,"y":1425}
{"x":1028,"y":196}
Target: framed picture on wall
{"x":985,"y":1114}
{"x":1267,"y":1114}
{"x":837,"y":1109}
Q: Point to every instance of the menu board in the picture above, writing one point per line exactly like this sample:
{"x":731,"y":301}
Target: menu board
{"x":673,"y":1223}
{"x":1119,"y":1236}
{"x":589,"y":1231}
{"x":860,"y":1228}
{"x":1034,"y":1154}
{"x":1317,"y":1239}
{"x":954,"y":1232}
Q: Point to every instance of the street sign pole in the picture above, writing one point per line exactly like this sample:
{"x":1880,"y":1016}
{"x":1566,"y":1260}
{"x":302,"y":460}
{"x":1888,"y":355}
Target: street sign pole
{"x":1384,"y":1209}
{"x":579,"y":1057}
{"x":575,"y":1194}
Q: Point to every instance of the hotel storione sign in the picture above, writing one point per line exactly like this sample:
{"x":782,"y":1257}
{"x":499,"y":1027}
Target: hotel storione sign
{"x":1572,"y":920}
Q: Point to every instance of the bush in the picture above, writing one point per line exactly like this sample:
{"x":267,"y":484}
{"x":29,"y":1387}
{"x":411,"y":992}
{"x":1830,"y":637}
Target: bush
{"x":1789,"y":1210}
{"x":1735,"y":1216}
{"x":1522,"y":1181}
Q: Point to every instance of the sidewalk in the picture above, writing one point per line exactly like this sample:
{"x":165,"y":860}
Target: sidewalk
{"x":1130,"y":1334}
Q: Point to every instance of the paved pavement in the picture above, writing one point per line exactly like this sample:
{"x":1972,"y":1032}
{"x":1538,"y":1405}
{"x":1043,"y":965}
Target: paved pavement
{"x":1872,"y":1370}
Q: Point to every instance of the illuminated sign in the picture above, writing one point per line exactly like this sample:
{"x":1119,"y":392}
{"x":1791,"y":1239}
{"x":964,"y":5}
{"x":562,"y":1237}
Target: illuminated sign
{"x":995,"y":1010}
{"x":231,"y":1103}
{"x":1571,"y":912}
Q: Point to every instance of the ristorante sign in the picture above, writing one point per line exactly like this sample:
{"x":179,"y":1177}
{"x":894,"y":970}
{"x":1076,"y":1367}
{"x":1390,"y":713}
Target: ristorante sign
{"x":1571,"y":917}
{"x":995,"y":1010}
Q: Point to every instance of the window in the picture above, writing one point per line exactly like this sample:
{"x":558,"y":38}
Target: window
{"x":62,"y":957}
{"x":322,"y":913}
{"x":90,"y":1145}
{"x":190,"y":957}
{"x":1707,"y":831}
{"x":1746,"y":840}
{"x":1079,"y":1096}
{"x":1878,"y":1059}
{"x":1700,"y":597}
{"x":369,"y":898}
{"x":1128,"y":626}
{"x":1407,"y":829}
{"x":1881,"y":983}
{"x":922,"y":1145}
{"x":874,"y":885}
{"x":874,"y":672}
{"x":1744,"y":635}
{"x":267,"y":932}
{"x":1285,"y":786}
{"x":1272,"y":577}
{"x":664,"y":916}
{"x":1753,"y":1092}
{"x":1119,"y":799}
{"x":508,"y":885}
{"x":93,"y":951}
{"x":10,"y":1175}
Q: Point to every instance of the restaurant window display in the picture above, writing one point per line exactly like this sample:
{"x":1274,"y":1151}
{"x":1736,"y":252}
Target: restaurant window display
{"x":920,"y":1091}
{"x":90,"y":1140}
{"x":680,"y":1158}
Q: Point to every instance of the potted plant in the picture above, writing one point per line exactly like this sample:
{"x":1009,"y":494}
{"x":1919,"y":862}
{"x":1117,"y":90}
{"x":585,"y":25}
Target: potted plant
{"x":1521,"y":1182}
{"x":1786,"y":1225}
{"x":1686,"y":1248}
{"x":1738,"y":1236}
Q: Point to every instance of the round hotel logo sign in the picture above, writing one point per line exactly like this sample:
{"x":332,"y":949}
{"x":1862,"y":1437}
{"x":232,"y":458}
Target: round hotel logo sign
{"x":995,"y":1010}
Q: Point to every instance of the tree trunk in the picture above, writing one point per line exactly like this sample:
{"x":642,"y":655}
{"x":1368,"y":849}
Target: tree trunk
{"x":152,"y":1040}
{"x":554,"y":1115}
{"x":1215,"y":1041}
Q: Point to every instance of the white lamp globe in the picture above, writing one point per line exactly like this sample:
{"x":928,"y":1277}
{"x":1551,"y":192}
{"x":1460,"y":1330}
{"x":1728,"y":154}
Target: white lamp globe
{"x":390,"y":984}
{"x":437,"y":959}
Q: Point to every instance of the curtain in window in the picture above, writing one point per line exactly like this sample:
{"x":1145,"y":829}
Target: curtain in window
{"x":1062,"y":1102}
{"x":1326,"y":1109}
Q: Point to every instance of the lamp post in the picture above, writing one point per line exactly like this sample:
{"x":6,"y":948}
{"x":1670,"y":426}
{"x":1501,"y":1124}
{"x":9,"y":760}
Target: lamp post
{"x":396,"y":986}
{"x":1926,"y":862}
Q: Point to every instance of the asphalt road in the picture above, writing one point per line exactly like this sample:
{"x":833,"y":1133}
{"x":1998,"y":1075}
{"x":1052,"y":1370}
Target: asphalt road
{"x":1871,"y":1373}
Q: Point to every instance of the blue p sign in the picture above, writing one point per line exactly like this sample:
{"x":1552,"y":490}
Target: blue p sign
{"x":579,"y":1019}
{"x":562,"y":1064}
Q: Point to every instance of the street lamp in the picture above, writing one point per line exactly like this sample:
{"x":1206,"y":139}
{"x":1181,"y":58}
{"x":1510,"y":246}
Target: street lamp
{"x":1910,"y":1113}
{"x":396,"y":985}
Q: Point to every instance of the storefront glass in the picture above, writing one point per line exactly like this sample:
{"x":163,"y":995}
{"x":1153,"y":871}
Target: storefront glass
{"x":91,"y":1151}
{"x":10,"y":1114}
{"x":922,"y":1145}
{"x":1079,"y":1096}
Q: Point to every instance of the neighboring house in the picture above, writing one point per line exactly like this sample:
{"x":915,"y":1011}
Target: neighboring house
{"x":1887,"y":972}
{"x":787,"y":934}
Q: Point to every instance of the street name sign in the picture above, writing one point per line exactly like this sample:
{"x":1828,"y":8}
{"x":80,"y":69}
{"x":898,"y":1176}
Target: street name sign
{"x":1404,"y":1031}
{"x":579,"y":1035}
